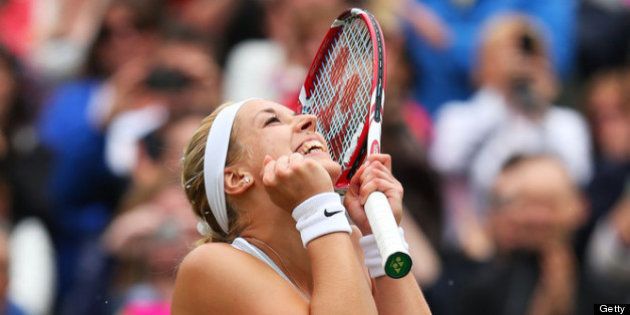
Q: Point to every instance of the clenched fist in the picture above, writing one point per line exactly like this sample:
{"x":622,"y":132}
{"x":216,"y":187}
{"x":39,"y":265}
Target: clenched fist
{"x":291,"y":179}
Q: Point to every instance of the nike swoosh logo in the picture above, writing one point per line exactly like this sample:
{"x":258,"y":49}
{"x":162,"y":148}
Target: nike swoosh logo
{"x":330,"y":214}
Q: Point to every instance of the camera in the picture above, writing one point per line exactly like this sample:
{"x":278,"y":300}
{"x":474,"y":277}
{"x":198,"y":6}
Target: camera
{"x":167,"y":79}
{"x":527,"y":45}
{"x":521,"y":86}
{"x":523,"y":95}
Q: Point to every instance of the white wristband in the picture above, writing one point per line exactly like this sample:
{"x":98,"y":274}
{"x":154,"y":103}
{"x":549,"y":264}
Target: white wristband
{"x":320,"y":215}
{"x":373,"y":259}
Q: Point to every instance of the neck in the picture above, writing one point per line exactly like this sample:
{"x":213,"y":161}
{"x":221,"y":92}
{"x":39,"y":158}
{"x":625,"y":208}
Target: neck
{"x":273,"y":231}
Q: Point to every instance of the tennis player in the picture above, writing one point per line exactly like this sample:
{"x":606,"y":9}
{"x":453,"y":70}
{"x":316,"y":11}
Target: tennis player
{"x":278,"y":240}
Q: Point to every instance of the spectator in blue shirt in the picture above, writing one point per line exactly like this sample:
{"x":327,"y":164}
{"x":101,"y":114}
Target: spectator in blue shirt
{"x":443,"y":36}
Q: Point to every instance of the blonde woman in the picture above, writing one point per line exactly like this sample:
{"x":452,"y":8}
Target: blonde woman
{"x":277,"y":238}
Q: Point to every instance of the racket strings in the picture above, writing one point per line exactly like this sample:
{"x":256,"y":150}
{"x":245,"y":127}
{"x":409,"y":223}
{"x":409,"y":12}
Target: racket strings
{"x":342,"y":92}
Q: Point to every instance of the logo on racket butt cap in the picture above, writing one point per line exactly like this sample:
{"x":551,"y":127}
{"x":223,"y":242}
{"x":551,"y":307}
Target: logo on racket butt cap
{"x":398,"y":265}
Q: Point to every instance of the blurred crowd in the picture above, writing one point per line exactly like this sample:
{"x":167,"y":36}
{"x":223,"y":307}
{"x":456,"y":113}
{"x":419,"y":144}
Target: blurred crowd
{"x":508,"y":122}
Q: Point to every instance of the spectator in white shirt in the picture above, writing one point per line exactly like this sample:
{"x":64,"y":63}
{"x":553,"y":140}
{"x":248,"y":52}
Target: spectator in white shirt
{"x":511,"y":113}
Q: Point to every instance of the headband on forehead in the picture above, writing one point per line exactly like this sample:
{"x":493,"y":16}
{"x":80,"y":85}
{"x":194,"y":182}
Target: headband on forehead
{"x":214,"y":161}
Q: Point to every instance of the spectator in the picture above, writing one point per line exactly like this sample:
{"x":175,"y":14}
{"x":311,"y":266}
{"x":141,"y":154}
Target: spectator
{"x":510,"y":113}
{"x":84,"y":191}
{"x":608,"y":109}
{"x":535,"y":210}
{"x":604,"y":242}
{"x":608,"y":253}
{"x":23,"y":161}
{"x":155,"y":227}
{"x":51,"y":37}
{"x":61,"y":32}
{"x":443,"y":41}
{"x":24,"y":164}
{"x":180,"y":76}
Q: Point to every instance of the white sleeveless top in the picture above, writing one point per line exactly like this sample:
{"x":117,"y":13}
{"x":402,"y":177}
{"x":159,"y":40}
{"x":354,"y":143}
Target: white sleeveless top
{"x":243,"y":245}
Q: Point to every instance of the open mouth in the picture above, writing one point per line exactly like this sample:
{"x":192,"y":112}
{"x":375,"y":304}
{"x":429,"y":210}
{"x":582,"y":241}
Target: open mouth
{"x":311,"y":146}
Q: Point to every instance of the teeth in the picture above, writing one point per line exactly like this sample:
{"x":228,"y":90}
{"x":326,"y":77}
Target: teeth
{"x":311,"y":146}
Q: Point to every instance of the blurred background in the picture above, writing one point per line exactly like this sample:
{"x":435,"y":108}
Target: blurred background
{"x":508,"y":122}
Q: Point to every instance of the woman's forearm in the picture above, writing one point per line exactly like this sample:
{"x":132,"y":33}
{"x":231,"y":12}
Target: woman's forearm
{"x":339,"y":283}
{"x":399,"y":296}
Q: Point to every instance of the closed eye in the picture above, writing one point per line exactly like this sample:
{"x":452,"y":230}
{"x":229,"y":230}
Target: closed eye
{"x":271,"y":120}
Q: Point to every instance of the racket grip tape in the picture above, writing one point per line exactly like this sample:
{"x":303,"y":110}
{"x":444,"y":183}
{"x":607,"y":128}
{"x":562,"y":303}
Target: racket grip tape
{"x":396,"y":260}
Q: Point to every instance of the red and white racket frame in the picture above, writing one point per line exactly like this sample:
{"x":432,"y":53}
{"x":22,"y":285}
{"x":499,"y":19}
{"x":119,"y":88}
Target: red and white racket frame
{"x":396,"y":259}
{"x":372,"y":134}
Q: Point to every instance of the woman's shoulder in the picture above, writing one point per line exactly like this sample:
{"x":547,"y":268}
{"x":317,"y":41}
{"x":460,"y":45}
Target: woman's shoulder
{"x":218,"y":278}
{"x":215,"y":261}
{"x":207,"y":251}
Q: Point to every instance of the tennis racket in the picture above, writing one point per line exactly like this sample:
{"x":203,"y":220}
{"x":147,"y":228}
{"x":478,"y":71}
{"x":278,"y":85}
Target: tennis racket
{"x":344,"y":88}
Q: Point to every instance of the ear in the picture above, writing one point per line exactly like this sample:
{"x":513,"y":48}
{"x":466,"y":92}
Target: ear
{"x":237,"y":181}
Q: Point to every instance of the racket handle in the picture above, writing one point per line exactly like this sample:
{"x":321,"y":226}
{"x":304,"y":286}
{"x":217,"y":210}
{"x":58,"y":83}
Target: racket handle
{"x":396,"y":259}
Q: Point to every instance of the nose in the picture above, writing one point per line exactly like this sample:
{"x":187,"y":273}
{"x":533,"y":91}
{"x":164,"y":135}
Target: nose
{"x":306,"y":123}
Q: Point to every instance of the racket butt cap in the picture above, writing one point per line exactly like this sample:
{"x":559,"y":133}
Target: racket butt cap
{"x":398,"y":265}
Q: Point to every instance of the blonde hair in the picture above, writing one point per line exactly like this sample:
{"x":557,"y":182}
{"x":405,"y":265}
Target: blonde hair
{"x":193,"y":180}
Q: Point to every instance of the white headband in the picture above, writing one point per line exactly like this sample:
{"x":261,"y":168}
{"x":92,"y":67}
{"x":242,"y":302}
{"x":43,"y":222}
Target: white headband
{"x":214,"y":162}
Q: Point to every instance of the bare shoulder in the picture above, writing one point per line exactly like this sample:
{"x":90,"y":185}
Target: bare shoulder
{"x":216,"y":278}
